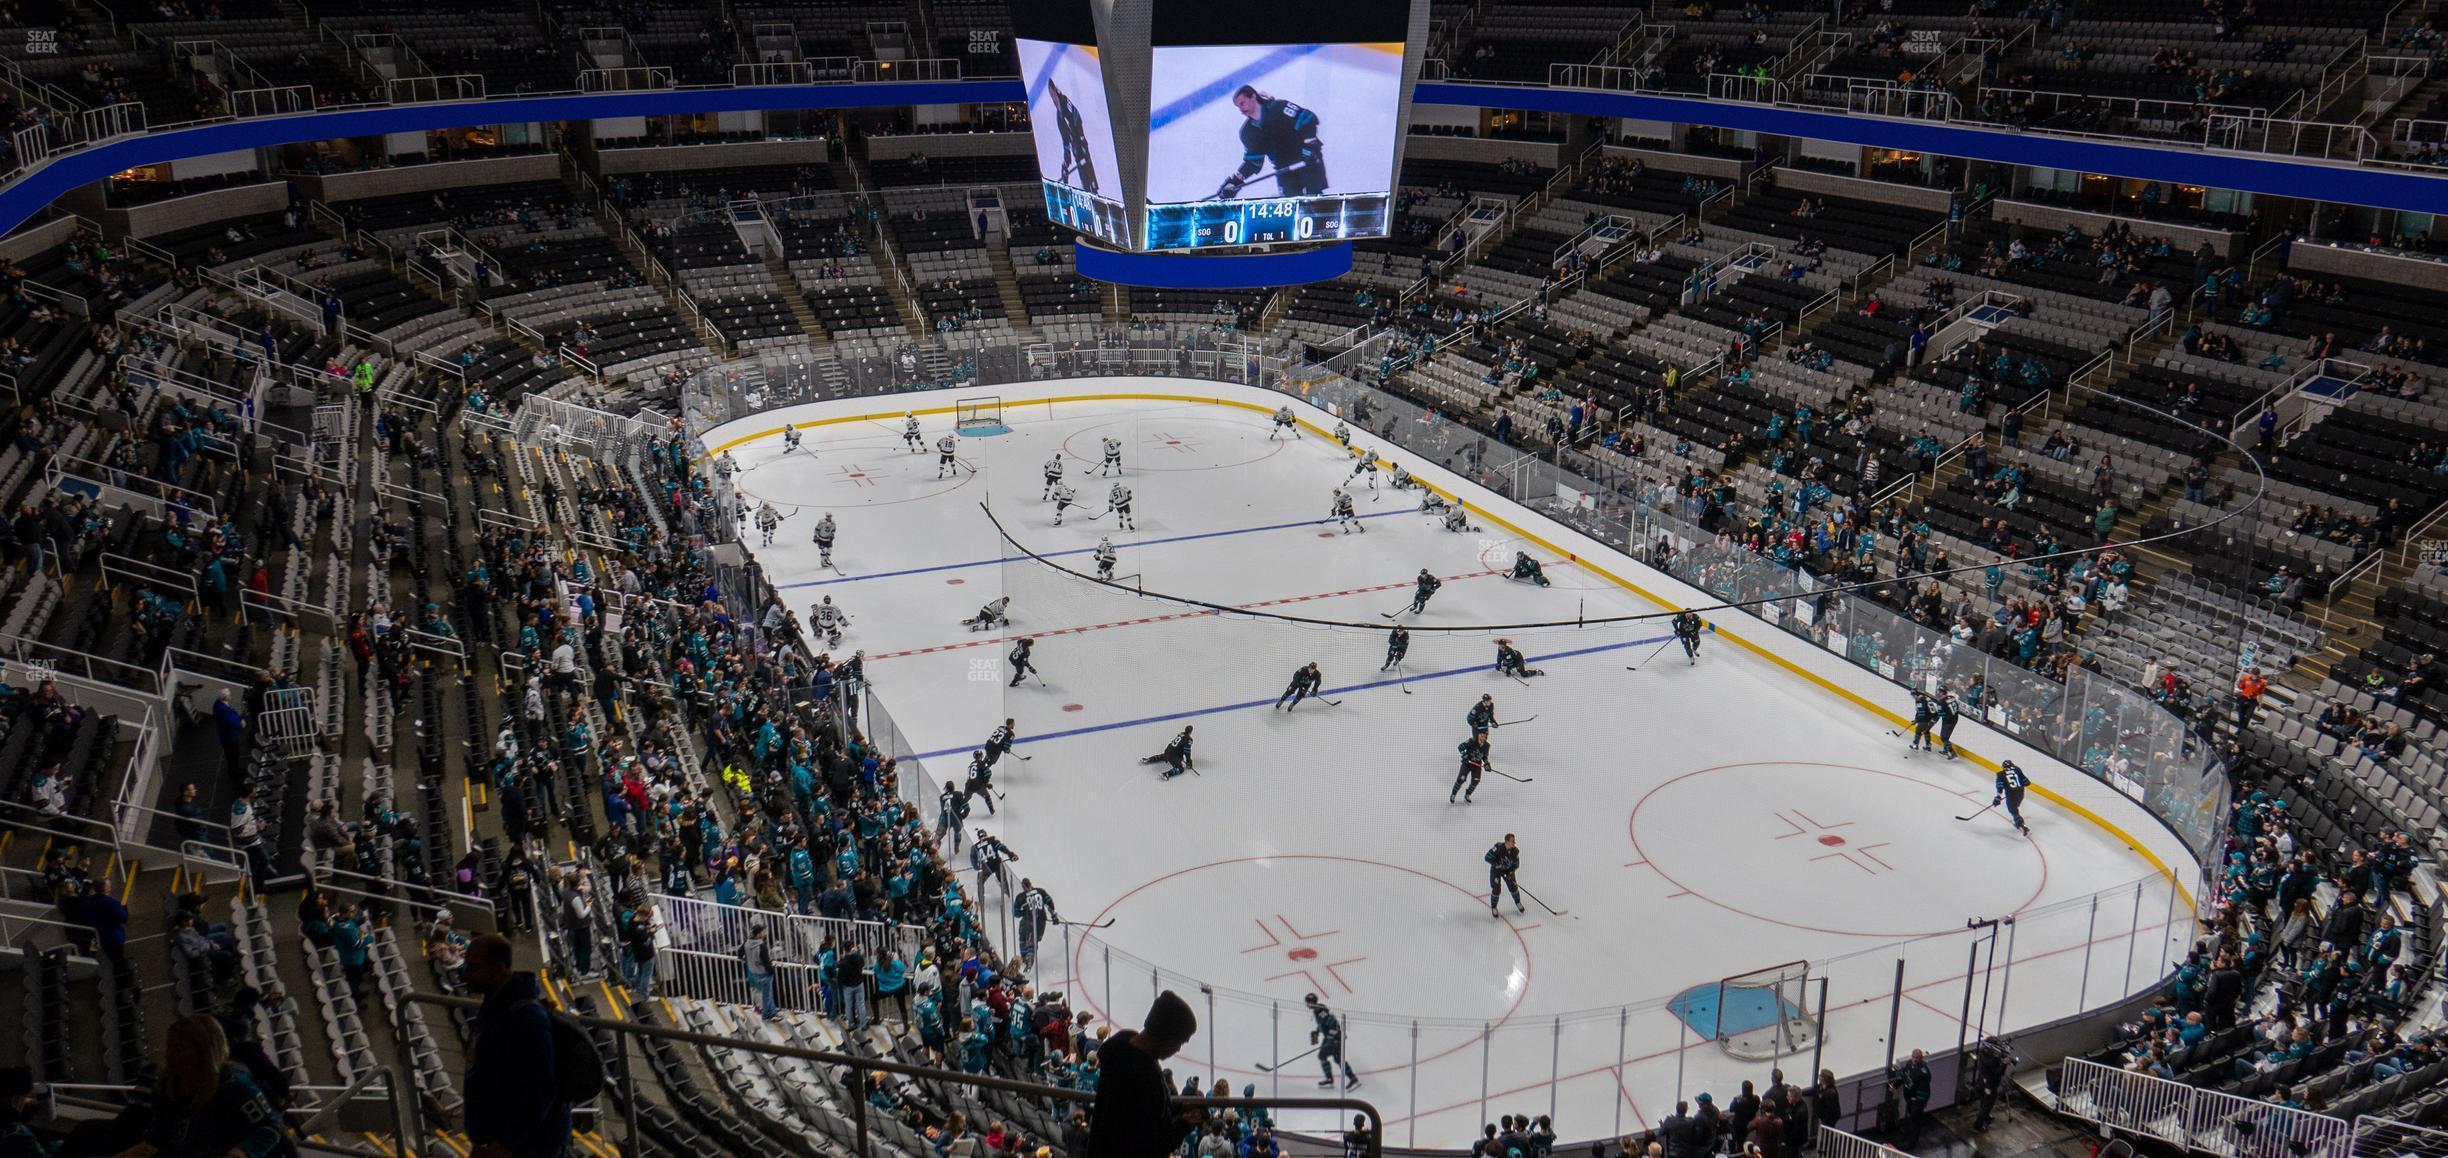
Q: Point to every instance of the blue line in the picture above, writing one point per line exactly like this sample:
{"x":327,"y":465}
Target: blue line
{"x":1244,"y":705}
{"x":1081,"y":551}
{"x":1216,"y":90}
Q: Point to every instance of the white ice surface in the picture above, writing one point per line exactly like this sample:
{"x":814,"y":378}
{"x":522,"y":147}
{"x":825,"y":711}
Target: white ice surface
{"x":1693,"y":821}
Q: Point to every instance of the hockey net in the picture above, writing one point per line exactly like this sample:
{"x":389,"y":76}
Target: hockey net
{"x":1766,"y":1014}
{"x":978,"y":415}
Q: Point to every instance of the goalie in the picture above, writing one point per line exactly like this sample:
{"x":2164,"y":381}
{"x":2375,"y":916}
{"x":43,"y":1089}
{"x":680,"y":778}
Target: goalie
{"x":1525,"y":567}
{"x":993,"y":615}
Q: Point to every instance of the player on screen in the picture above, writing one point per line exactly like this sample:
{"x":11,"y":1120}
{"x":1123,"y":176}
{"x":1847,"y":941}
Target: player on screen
{"x":1281,"y":134}
{"x":1078,"y":168}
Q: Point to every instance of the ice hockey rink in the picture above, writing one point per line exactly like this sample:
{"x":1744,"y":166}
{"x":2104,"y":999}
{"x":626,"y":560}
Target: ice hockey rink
{"x":1679,"y":823}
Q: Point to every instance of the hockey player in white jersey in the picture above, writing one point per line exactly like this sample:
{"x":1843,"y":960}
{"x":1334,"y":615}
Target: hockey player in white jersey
{"x":910,"y":436}
{"x":1053,"y":476}
{"x":1118,"y":501}
{"x":829,"y":621}
{"x":946,"y":462}
{"x":1345,"y":519}
{"x":824,"y":540}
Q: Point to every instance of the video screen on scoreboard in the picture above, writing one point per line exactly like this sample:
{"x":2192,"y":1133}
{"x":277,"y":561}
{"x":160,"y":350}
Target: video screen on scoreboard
{"x":1073,"y":136}
{"x":1251,"y":143}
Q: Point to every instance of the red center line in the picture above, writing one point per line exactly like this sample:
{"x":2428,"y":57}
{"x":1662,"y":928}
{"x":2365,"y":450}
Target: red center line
{"x":1168,"y":618}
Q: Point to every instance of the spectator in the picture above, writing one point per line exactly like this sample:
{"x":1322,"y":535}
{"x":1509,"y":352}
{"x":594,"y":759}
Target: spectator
{"x":230,"y":727}
{"x":756,"y":957}
{"x":514,"y":1107}
{"x":1134,"y":1115}
{"x":203,"y":1103}
{"x":850,"y":973}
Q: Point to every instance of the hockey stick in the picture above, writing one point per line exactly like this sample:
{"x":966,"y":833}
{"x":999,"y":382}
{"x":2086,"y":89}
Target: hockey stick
{"x":1268,"y":1069}
{"x":1107,"y":923}
{"x":1512,"y":777}
{"x":1551,"y":909}
{"x":1330,"y":703}
{"x":1977,"y":815}
{"x":1645,"y":659}
{"x":1246,"y":182}
{"x":1523,"y":720}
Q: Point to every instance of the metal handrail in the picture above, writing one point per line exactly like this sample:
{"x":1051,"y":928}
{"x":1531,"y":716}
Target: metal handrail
{"x":860,"y":1063}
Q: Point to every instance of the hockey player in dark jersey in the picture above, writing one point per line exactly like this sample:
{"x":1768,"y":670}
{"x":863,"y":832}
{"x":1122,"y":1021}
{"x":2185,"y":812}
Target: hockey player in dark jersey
{"x":1176,"y":756}
{"x":1282,"y":134}
{"x":1020,"y":661}
{"x":1687,"y":632}
{"x":1474,"y":765}
{"x":1327,"y":1036}
{"x":1077,"y":166}
{"x":1398,"y":645}
{"x":1503,"y":862}
{"x":1509,"y":662}
{"x":1948,"y":711}
{"x":980,"y":783}
{"x":2010,"y":785}
{"x":1000,"y":741}
{"x":1482,"y":714}
{"x":1925,"y":715}
{"x":1422,"y":589}
{"x":1305,"y":683}
{"x":1525,"y":567}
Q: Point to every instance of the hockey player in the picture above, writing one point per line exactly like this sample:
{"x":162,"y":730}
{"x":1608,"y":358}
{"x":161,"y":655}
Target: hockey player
{"x":1105,"y":558}
{"x":829,"y":621}
{"x":1342,"y":434}
{"x":1525,"y":567}
{"x":1948,"y":711}
{"x":1327,"y":1035}
{"x":946,"y":462}
{"x":1175,"y":757}
{"x":1925,"y":714}
{"x":767,"y":519}
{"x":1280,"y":133}
{"x":993,"y":615}
{"x":1509,"y":662}
{"x":1000,"y":741}
{"x":823,"y":539}
{"x":2010,"y":785}
{"x":1474,"y":765}
{"x":1305,"y":683}
{"x":1020,"y":664}
{"x":1078,"y":166}
{"x":1398,"y":645}
{"x":1687,"y":632}
{"x":1345,"y":518}
{"x":951,"y":814}
{"x":1118,"y":501}
{"x":726,"y":466}
{"x":1285,"y":423}
{"x":1401,"y":479}
{"x":1422,"y":589}
{"x":1053,"y":476}
{"x":1367,"y":468}
{"x":1482,"y":715}
{"x":1113,"y":456}
{"x":790,"y":438}
{"x":910,"y":436}
{"x":1032,"y":911}
{"x":981,"y":780}
{"x":1503,"y":862}
{"x":988,"y":856}
{"x":1064,"y":499}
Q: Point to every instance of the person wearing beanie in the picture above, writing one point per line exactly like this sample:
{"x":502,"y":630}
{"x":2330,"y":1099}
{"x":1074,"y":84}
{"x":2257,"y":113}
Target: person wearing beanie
{"x":1134,"y":1115}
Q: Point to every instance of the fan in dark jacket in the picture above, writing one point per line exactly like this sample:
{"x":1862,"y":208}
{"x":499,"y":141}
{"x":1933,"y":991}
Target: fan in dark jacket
{"x":1134,"y":1115}
{"x":514,"y":1108}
